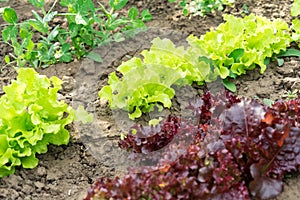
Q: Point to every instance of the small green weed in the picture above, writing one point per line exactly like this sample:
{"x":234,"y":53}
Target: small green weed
{"x":291,"y":94}
{"x":202,"y":7}
{"x":295,"y":12}
{"x":87,"y":27}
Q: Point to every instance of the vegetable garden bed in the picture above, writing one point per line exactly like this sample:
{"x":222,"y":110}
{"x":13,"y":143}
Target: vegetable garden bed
{"x":68,"y":171}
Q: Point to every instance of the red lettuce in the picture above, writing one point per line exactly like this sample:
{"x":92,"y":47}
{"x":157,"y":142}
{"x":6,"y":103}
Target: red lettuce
{"x":239,"y":149}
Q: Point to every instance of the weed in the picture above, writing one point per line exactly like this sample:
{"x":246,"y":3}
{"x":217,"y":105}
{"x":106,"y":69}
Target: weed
{"x":87,"y":27}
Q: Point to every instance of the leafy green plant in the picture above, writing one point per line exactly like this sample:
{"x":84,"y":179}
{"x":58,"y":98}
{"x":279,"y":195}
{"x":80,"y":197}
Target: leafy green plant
{"x":138,"y":95}
{"x":291,"y":94}
{"x":88,"y":27}
{"x":245,"y":9}
{"x":146,"y":84}
{"x":33,"y":119}
{"x":241,"y":44}
{"x":236,"y":46}
{"x":202,"y":7}
{"x":295,"y":11}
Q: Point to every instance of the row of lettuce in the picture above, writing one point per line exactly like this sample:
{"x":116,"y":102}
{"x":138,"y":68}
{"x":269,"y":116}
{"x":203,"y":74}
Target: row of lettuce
{"x":241,"y":153}
{"x":233,"y":48}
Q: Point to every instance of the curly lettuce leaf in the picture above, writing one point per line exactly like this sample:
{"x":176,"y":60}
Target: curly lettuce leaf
{"x":140,"y":89}
{"x":233,"y":48}
{"x":33,"y":119}
{"x":82,"y":115}
{"x":146,"y":83}
{"x":257,"y":37}
{"x":296,"y":33}
{"x":186,"y":63}
{"x":295,"y":9}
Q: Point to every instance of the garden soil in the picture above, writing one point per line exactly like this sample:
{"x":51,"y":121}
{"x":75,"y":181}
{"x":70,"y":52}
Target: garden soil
{"x":66,"y":172}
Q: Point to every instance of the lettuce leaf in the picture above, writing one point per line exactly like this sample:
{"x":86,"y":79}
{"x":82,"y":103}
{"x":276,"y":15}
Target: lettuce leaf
{"x":295,"y":9}
{"x":233,"y":48}
{"x":257,"y":37}
{"x":146,"y":83}
{"x":141,"y":89}
{"x":33,"y":119}
{"x":296,"y":33}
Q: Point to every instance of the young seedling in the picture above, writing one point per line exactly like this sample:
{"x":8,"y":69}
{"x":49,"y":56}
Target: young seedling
{"x":202,"y":7}
{"x":88,"y":27}
{"x":291,"y":94}
{"x":295,"y":11}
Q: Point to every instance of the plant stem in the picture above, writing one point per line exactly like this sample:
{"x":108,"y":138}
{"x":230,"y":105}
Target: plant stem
{"x":16,"y":24}
{"x":66,"y":14}
{"x":108,"y":14}
{"x":52,"y":6}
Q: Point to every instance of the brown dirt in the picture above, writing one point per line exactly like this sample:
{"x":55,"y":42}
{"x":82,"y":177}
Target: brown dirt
{"x":66,"y":172}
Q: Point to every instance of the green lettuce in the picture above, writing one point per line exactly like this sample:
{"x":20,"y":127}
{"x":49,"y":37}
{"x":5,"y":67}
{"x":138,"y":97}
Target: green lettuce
{"x":141,"y":89}
{"x":296,"y":28}
{"x":147,"y":83}
{"x":295,"y":11}
{"x":233,"y":48}
{"x":240,"y":44}
{"x":185,"y":62}
{"x":31,"y":118}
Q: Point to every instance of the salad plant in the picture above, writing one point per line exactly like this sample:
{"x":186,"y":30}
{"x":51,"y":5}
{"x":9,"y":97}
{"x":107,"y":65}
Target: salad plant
{"x":146,"y":83}
{"x":236,"y":46}
{"x":241,"y":44}
{"x":295,"y":12}
{"x":241,"y":153}
{"x":32,"y":119}
{"x":87,"y":27}
{"x":202,"y":7}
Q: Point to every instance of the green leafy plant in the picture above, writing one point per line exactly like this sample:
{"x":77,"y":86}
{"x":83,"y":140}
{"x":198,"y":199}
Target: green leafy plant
{"x":236,"y":46}
{"x":33,"y":119}
{"x":146,"y":84}
{"x":88,"y":27}
{"x":202,"y":7}
{"x":241,"y":44}
{"x":156,"y":88}
{"x":291,"y":94}
{"x":245,"y":9}
{"x":295,"y":11}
